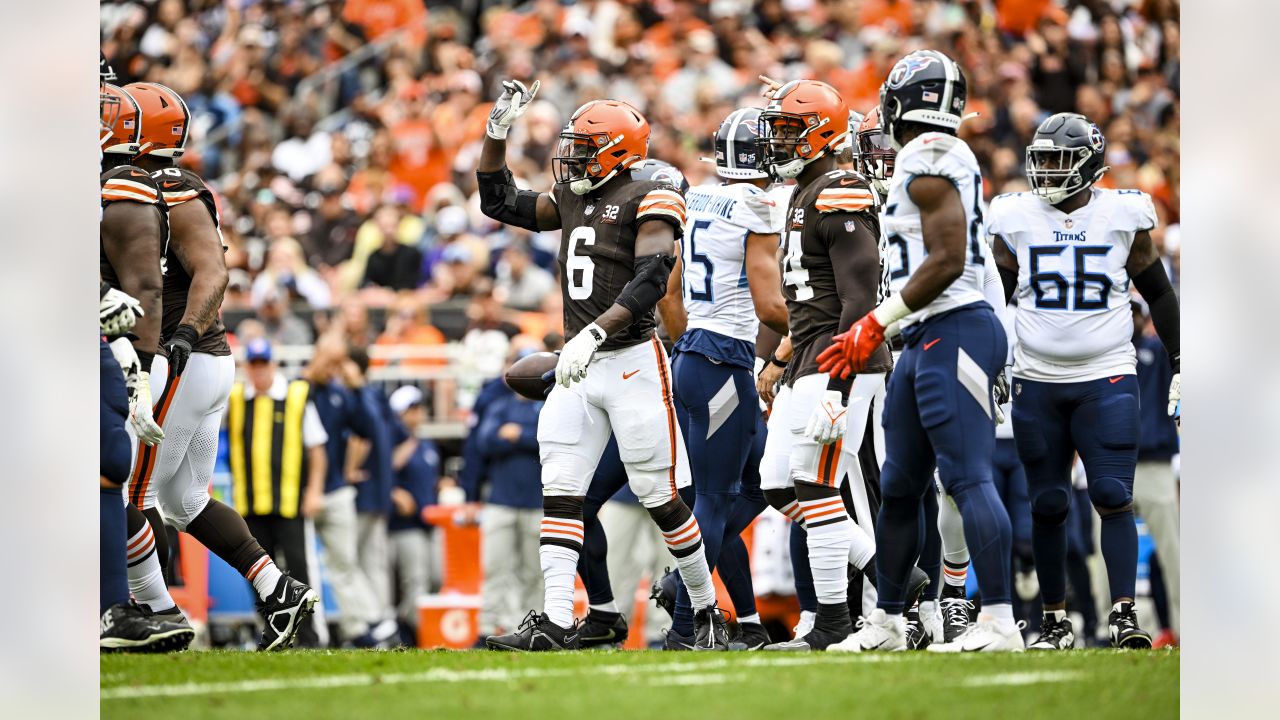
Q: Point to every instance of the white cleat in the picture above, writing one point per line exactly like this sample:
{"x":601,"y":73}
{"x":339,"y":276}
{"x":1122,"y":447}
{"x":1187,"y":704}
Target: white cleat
{"x":802,"y":628}
{"x":984,"y":636}
{"x":877,"y":631}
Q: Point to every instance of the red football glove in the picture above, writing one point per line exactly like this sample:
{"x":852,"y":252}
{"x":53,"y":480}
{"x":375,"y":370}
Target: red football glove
{"x":851,"y":349}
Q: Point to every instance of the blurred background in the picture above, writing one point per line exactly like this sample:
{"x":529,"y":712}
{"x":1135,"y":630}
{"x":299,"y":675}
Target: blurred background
{"x":340,"y":139}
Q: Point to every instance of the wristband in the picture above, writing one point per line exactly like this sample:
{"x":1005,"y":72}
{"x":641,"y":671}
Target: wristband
{"x":893,"y":309}
{"x":773,"y":360}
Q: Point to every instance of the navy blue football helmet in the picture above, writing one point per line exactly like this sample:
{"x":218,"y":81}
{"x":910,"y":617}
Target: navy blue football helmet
{"x":739,"y":152}
{"x":925,"y":87}
{"x":652,"y":169}
{"x":1067,"y":155}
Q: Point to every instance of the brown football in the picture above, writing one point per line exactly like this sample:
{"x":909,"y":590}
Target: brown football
{"x":525,"y":375}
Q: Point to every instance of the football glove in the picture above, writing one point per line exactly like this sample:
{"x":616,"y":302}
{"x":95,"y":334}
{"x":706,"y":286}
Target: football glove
{"x":140,"y":409}
{"x":1000,"y":393}
{"x":130,"y":365}
{"x":827,"y":423}
{"x":1175,"y":397}
{"x":512,"y":103}
{"x":850,"y":350}
{"x":179,"y":348}
{"x":576,"y":354}
{"x":118,"y":311}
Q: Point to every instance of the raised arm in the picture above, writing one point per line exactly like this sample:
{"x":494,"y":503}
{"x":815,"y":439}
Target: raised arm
{"x":500,"y":199}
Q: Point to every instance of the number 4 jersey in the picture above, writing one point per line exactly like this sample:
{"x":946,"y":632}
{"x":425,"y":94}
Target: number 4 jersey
{"x":946,"y":156}
{"x":1073,"y":322}
{"x":597,"y":249}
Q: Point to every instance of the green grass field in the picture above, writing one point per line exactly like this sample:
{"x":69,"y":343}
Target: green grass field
{"x":1090,"y":685}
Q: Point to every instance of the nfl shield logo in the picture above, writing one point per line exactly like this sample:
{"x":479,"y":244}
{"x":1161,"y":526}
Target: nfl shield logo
{"x":590,"y":209}
{"x":1069,"y":222}
{"x":849,"y":225}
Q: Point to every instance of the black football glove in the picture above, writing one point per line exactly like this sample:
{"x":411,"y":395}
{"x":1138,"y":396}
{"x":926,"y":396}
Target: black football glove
{"x":179,"y":348}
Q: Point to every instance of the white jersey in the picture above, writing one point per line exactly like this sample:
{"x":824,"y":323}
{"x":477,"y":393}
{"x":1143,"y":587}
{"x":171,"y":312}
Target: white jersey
{"x":902,"y":240}
{"x":718,"y":218}
{"x":1073,"y":322}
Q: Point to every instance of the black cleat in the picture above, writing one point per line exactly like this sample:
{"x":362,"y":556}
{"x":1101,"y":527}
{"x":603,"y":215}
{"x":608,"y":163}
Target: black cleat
{"x":832,"y":625}
{"x":284,"y":611}
{"x":537,"y":634}
{"x":955,"y":608}
{"x":675,"y":641}
{"x":917,"y":637}
{"x":172,"y":615}
{"x":664,"y":591}
{"x":751,"y":636}
{"x":917,"y":581}
{"x":1054,"y":635}
{"x":1125,"y":633}
{"x":711,"y":631}
{"x":602,"y":629}
{"x":127,"y":628}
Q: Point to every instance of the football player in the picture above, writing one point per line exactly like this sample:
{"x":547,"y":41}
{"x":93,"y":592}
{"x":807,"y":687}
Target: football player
{"x":939,"y":410}
{"x":616,"y":254}
{"x":192,"y":378}
{"x":1070,"y":250}
{"x":131,"y":237}
{"x":830,"y":275}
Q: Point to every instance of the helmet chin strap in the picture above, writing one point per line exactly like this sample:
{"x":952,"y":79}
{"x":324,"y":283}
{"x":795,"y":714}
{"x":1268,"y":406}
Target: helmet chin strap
{"x":791,"y":168}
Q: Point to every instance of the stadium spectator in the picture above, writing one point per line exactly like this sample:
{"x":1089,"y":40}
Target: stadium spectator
{"x":282,"y":326}
{"x":417,"y":468}
{"x":521,"y":284}
{"x":409,"y":326}
{"x":369,"y":469}
{"x":393,"y":265}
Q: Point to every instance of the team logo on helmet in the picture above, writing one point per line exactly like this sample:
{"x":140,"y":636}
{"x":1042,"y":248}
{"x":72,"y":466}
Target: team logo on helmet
{"x":1096,"y":139}
{"x":669,"y":174}
{"x":906,"y":68}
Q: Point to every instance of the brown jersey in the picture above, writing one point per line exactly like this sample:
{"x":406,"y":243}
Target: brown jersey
{"x":597,"y":249}
{"x":830,"y":266}
{"x":177,"y":186}
{"x":128,"y":183}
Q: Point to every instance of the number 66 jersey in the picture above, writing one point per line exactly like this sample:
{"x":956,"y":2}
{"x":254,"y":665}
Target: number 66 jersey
{"x":1073,"y":322}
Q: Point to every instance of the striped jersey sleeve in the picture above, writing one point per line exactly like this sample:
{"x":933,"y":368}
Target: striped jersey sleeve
{"x":128,"y":184}
{"x":840,"y":198}
{"x":179,"y":185}
{"x":663,"y":202}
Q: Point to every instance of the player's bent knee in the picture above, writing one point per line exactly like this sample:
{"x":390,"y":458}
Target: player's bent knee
{"x":652,"y":487}
{"x":564,"y":474}
{"x":1049,"y":507}
{"x":1110,"y":493}
{"x":180,"y":511}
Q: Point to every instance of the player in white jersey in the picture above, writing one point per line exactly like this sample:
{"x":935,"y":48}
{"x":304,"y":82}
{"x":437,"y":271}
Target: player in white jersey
{"x":939,"y":410}
{"x":1069,"y":250}
{"x":728,"y":274}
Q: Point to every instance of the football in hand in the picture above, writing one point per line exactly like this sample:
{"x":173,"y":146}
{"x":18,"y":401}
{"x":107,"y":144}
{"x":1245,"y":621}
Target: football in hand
{"x":525,"y":376}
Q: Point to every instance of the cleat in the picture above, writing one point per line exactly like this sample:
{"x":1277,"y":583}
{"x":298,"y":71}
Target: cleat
{"x":1125,"y":633}
{"x":751,"y":636}
{"x":876,"y":632}
{"x":917,"y":635}
{"x":711,"y":631}
{"x":664,"y":591}
{"x":828,"y":629}
{"x":172,"y":615}
{"x":917,"y":581}
{"x":984,"y":636}
{"x":537,"y":634}
{"x":955,"y":617}
{"x":673,"y":640}
{"x":128,"y":628}
{"x":805,"y":624}
{"x":1054,"y":634}
{"x":1165,"y":639}
{"x":601,"y":629}
{"x":284,"y":612}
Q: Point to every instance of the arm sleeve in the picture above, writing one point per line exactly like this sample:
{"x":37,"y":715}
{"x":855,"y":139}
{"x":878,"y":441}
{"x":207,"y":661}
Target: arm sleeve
{"x":993,"y":286}
{"x":1156,"y":289}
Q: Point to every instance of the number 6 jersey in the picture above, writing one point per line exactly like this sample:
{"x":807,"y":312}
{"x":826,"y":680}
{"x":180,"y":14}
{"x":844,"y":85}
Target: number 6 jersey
{"x":597,"y":249}
{"x":1073,"y":322}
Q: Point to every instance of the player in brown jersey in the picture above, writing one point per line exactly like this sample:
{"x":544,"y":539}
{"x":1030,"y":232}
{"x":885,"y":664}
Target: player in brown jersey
{"x":192,"y":378}
{"x":831,"y":275}
{"x":616,"y":254}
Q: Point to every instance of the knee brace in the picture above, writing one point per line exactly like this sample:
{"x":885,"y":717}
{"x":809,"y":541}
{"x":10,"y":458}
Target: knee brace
{"x":1049,"y":507}
{"x":562,"y":521}
{"x":1110,"y":495}
{"x":679,"y":528}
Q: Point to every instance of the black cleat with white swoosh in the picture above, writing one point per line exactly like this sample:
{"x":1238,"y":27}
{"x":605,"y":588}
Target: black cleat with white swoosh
{"x":1125,"y":633}
{"x":537,"y":634}
{"x":602,"y":629}
{"x":284,"y":612}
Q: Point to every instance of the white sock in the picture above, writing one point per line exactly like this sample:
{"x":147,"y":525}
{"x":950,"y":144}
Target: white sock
{"x":862,"y":547}
{"x":828,"y":548}
{"x":685,"y":544}
{"x":1057,"y":615}
{"x":610,"y":607}
{"x":955,"y":574}
{"x":793,"y":512}
{"x":146,"y":580}
{"x":265,"y":576}
{"x":1001,"y":614}
{"x":559,"y":566}
{"x":928,"y":608}
{"x":750,"y":619}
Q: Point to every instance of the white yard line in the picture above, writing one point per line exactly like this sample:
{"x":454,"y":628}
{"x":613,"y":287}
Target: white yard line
{"x":678,"y":669}
{"x":1021,"y":678}
{"x":686,"y":680}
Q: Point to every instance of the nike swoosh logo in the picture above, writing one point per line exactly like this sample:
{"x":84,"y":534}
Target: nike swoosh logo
{"x":284,"y":592}
{"x":977,"y":649}
{"x":606,"y":638}
{"x":627,"y":376}
{"x":848,"y":181}
{"x":135,"y":173}
{"x":929,"y":140}
{"x":931,"y":343}
{"x":170,"y":184}
{"x":1115,"y":380}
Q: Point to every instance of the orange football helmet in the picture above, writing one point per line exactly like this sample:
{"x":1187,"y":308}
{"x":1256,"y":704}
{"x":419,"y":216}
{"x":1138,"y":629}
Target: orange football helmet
{"x":166,"y":121}
{"x":805,"y":120}
{"x":875,"y":152}
{"x":603,"y":138}
{"x":120,"y":125}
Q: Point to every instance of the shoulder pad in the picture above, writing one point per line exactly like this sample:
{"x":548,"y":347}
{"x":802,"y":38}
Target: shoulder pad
{"x":661,"y":201}
{"x":130,"y":184}
{"x":178,"y":185}
{"x":845,"y":192}
{"x":1138,"y":208}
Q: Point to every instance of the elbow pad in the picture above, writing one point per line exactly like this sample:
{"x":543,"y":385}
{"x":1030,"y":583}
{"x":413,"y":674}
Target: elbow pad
{"x":648,"y":286}
{"x":501,"y":200}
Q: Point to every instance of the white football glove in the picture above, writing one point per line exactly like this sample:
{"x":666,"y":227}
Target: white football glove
{"x":512,"y":103}
{"x":576,"y":354}
{"x":140,"y":409}
{"x":130,"y":365}
{"x":118,"y":311}
{"x":1175,"y":397}
{"x":1000,"y":393}
{"x":827,"y":423}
